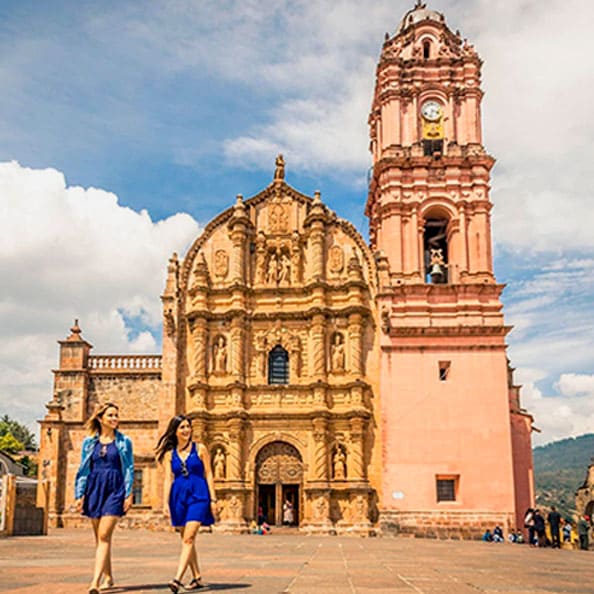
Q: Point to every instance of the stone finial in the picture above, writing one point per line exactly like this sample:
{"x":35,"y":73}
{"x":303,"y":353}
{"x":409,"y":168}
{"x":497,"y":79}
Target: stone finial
{"x":279,"y":172}
{"x":75,"y":332}
{"x":317,"y":197}
{"x":355,"y":270}
{"x":172,"y":270}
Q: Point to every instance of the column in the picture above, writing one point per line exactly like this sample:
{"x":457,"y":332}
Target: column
{"x":355,"y":462}
{"x":355,"y":344}
{"x":318,"y":347}
{"x":320,"y":455}
{"x":199,"y":341}
{"x":237,"y":347}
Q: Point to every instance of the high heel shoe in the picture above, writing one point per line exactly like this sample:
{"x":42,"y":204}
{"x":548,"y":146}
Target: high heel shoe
{"x":175,"y":585}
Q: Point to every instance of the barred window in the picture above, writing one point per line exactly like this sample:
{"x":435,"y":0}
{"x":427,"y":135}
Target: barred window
{"x":137,"y":488}
{"x":278,"y":366}
{"x":446,"y":489}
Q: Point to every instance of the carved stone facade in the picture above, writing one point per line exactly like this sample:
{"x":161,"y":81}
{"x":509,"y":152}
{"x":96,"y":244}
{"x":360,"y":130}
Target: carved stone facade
{"x":356,"y":385}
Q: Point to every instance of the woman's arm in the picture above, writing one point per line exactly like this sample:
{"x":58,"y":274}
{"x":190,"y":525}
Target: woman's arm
{"x":80,"y":482}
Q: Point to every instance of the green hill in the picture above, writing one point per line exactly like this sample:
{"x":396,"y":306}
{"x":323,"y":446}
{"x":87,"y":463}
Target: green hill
{"x":560,"y":469}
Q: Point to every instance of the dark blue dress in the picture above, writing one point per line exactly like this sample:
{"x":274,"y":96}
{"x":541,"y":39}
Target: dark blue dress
{"x":105,"y":491}
{"x":189,"y":498}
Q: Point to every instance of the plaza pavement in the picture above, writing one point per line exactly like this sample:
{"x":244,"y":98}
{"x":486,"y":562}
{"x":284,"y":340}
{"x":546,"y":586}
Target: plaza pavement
{"x":292,"y":563}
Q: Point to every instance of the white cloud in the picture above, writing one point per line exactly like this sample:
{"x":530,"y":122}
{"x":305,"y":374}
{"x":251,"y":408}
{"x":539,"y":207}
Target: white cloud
{"x":573,"y":384}
{"x":69,"y":252}
{"x":565,"y":414}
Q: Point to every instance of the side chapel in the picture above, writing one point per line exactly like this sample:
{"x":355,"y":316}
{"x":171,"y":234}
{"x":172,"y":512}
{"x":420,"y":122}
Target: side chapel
{"x":366,"y":384}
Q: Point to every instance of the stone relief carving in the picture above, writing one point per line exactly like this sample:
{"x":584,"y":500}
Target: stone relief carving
{"x":294,"y":357}
{"x":278,"y":218}
{"x":320,"y":507}
{"x":221,"y":263}
{"x":335,"y":259}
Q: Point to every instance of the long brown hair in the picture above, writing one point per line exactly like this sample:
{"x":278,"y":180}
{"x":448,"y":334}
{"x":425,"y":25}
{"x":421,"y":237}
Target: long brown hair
{"x":93,"y":425}
{"x":168,"y":441}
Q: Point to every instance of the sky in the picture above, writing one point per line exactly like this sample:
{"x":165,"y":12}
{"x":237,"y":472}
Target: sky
{"x":126,"y":126}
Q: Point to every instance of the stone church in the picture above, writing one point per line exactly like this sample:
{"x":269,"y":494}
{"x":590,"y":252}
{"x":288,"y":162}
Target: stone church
{"x":368,"y":384}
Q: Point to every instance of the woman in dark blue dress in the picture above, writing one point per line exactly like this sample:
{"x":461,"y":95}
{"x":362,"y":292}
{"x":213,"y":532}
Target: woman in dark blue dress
{"x":103,"y":487}
{"x":192,"y":496}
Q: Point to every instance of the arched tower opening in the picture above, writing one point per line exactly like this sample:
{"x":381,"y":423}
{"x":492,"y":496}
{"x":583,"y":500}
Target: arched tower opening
{"x":435,"y":243}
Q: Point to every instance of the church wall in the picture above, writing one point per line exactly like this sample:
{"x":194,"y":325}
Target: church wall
{"x":457,"y":428}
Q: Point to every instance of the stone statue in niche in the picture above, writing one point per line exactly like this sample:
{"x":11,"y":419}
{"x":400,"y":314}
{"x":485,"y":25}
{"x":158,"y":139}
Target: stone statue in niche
{"x":221,"y":263}
{"x":219,"y":355}
{"x":339,"y":464}
{"x":218,"y":464}
{"x":272,"y":271}
{"x":337,"y":353}
{"x":284,"y":274}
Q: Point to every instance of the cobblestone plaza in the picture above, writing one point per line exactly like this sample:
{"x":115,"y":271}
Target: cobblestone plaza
{"x":144,"y":561}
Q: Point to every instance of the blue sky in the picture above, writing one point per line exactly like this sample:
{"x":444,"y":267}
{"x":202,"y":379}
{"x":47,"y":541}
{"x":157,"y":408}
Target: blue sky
{"x":126,"y":126}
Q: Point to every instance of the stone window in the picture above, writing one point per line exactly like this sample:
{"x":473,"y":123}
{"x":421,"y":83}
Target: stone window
{"x":278,"y":366}
{"x":447,"y":487}
{"x":426,"y":49}
{"x":137,"y":488}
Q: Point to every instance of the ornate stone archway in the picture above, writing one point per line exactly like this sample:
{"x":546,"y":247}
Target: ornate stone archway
{"x":279,"y":477}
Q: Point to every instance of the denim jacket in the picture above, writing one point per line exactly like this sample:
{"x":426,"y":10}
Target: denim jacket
{"x":123,"y":444}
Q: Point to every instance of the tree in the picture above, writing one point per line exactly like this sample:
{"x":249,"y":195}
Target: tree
{"x":19,"y":432}
{"x":9,"y":444}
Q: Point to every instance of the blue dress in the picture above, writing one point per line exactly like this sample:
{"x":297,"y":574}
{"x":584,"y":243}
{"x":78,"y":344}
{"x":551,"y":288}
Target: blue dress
{"x":189,"y":498}
{"x":105,"y":491}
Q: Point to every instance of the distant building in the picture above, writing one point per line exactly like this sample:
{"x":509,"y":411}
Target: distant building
{"x":367,"y":384}
{"x":8,"y":465}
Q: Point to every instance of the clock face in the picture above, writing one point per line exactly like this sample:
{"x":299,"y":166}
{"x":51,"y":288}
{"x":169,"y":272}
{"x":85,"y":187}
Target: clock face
{"x":431,"y":110}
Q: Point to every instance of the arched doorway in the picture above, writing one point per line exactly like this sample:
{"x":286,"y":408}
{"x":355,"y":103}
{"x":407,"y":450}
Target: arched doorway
{"x":279,"y":478}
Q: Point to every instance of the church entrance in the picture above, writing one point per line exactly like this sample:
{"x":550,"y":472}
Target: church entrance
{"x":279,"y":477}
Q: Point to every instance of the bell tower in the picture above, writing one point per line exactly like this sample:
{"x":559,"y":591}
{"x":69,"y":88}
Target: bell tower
{"x":448,"y":436}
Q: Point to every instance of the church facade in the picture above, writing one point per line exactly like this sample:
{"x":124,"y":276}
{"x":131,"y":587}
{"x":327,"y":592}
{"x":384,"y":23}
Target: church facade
{"x":367,"y":384}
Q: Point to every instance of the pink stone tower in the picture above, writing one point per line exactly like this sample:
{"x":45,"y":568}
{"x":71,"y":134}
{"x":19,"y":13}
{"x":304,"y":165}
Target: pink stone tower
{"x":456,"y":444}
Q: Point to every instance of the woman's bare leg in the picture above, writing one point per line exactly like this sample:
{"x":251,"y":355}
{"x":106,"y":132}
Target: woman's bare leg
{"x":188,"y":535}
{"x":105,"y":528}
{"x":193,"y":563}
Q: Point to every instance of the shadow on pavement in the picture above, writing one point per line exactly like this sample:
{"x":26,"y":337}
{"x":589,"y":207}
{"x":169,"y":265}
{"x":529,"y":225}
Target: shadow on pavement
{"x":221,"y":586}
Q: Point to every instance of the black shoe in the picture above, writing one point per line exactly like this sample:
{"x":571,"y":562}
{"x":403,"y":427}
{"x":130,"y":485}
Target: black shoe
{"x":175,"y":585}
{"x":195,"y":584}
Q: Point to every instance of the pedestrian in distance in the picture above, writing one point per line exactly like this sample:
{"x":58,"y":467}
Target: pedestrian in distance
{"x":103,"y":485}
{"x":554,"y":519}
{"x":539,"y":528}
{"x":583,"y":528}
{"x":192,"y":497}
{"x":529,"y":525}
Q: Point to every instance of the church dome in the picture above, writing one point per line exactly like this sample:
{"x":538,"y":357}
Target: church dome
{"x":418,"y":14}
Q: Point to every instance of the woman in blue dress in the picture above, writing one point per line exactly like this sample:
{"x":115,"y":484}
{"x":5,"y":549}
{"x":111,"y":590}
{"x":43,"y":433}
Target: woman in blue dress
{"x":192,"y":497}
{"x":103,"y":486}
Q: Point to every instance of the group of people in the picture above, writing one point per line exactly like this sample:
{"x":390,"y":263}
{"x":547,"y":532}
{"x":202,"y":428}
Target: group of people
{"x":560,"y":530}
{"x":534,"y":522}
{"x":103,"y":489}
